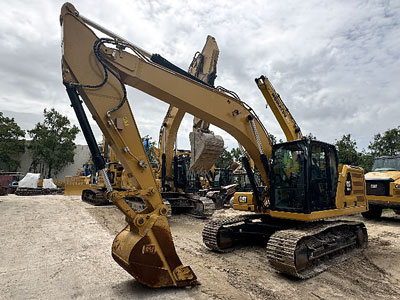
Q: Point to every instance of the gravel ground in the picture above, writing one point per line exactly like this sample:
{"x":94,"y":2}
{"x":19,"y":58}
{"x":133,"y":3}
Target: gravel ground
{"x":57,"y":247}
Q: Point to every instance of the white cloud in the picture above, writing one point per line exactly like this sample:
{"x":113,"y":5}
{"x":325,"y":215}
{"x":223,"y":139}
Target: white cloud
{"x":335,"y":63}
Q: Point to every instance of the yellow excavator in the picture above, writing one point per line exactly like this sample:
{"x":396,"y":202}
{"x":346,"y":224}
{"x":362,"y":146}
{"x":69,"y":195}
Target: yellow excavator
{"x":178,"y":173}
{"x":303,"y":183}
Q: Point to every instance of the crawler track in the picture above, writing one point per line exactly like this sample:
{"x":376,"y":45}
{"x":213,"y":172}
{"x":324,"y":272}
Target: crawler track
{"x":298,"y":249}
{"x":191,"y":204}
{"x":37,"y":191}
{"x":211,"y":232}
{"x":307,"y":251}
{"x":204,"y":208}
{"x":95,"y":197}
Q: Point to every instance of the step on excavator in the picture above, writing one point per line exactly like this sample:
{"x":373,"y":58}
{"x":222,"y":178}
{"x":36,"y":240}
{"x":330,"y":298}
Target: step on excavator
{"x":303,"y":183}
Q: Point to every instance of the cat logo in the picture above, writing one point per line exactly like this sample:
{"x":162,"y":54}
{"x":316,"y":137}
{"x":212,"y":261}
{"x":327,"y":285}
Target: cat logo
{"x":242,"y":199}
{"x":149,"y":249}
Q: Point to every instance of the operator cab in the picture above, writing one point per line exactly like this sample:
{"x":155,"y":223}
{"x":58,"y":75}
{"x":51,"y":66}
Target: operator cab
{"x":304,"y":176}
{"x":222,"y":177}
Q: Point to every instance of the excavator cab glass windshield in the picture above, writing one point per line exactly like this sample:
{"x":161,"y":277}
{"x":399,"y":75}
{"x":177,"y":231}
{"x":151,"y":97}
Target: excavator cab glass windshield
{"x":244,"y":182}
{"x":304,"y":176}
{"x":324,"y":176}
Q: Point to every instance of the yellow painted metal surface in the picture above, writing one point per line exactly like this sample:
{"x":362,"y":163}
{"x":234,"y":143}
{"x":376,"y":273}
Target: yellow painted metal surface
{"x":74,"y":185}
{"x":393,"y":199}
{"x":281,"y":112}
{"x":244,"y":201}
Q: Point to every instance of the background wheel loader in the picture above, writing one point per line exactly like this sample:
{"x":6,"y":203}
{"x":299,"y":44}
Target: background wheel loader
{"x":383,"y":186}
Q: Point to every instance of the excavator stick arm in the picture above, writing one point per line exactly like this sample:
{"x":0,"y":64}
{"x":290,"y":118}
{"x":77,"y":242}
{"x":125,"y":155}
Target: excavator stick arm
{"x":281,"y":112}
{"x":168,"y":135}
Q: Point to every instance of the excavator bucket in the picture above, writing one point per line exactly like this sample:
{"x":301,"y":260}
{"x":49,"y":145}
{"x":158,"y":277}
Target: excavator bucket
{"x":205,"y":150}
{"x":149,"y":255}
{"x":206,"y":147}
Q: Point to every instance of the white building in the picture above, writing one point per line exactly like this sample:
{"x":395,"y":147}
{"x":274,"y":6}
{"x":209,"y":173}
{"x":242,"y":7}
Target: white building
{"x":82,"y":156}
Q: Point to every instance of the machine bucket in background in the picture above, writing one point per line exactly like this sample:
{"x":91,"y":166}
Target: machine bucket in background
{"x":205,"y":150}
{"x":151,"y":258}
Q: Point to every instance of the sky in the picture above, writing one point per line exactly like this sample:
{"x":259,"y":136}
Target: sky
{"x":335,"y":64}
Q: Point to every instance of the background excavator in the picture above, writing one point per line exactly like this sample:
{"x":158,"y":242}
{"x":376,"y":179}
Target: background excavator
{"x":303,"y":182}
{"x":180,"y":170}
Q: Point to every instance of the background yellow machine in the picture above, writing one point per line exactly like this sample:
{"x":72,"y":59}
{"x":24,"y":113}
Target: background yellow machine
{"x":179,"y":170}
{"x":94,"y":194}
{"x":303,"y":182}
{"x":383,"y":186}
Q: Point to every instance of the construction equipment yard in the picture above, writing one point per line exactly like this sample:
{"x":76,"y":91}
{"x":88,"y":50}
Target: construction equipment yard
{"x":58,"y":247}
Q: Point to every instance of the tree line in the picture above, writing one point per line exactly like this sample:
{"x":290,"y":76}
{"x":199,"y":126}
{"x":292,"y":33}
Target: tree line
{"x":52,"y":143}
{"x":385,"y":144}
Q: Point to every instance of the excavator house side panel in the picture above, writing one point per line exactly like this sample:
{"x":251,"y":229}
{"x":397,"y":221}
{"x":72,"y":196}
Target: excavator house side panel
{"x":244,"y":201}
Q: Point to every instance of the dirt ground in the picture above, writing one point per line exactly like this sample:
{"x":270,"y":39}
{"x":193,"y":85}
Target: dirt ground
{"x":57,"y":247}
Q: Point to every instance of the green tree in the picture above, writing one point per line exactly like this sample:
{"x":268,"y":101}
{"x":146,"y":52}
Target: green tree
{"x":52,"y":143}
{"x":11,"y":143}
{"x":387,"y":143}
{"x":365,"y":160}
{"x":224,"y":160}
{"x":272,"y":138}
{"x":347,"y":150}
{"x":236,"y":154}
{"x":310,"y":136}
